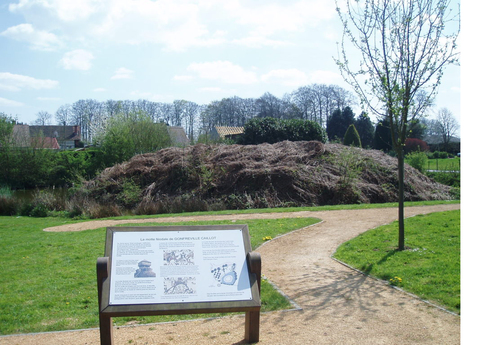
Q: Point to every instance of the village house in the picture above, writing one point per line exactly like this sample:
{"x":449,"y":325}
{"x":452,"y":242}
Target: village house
{"x":224,"y":132}
{"x":47,"y":137}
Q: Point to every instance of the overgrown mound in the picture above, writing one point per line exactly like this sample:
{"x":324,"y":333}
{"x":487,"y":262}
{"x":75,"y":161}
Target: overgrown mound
{"x":207,"y":177}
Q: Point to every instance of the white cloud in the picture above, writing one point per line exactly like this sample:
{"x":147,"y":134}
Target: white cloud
{"x":260,"y":41}
{"x":99,"y":89}
{"x":9,"y":103}
{"x":123,"y":73}
{"x":223,"y":71}
{"x":50,"y":99}
{"x":174,"y":24}
{"x":325,"y":77}
{"x":154,"y":97}
{"x":271,"y":18}
{"x":63,"y":9}
{"x":38,"y":39}
{"x":211,"y":89}
{"x":183,"y":77}
{"x":289,"y":77}
{"x":296,"y":77}
{"x":17,"y":82}
{"x":78,"y":59}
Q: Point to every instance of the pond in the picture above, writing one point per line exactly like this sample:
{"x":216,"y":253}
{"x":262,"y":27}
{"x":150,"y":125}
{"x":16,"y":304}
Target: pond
{"x":27,"y":195}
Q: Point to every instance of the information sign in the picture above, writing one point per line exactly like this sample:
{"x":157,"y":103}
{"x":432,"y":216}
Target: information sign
{"x":170,"y":270}
{"x":178,"y":266}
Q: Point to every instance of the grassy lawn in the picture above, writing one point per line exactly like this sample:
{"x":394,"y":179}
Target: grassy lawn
{"x":430,"y":268}
{"x":49,"y":279}
{"x":449,"y":164}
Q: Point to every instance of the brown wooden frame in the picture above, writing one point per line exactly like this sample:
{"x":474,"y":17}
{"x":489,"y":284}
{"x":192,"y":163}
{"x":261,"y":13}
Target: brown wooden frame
{"x":250,"y":307}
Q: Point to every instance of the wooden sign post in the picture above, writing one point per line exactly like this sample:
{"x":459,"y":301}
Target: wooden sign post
{"x":178,"y":270}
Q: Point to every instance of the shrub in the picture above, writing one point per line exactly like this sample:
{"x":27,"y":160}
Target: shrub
{"x":439,"y":155}
{"x":414,"y":144}
{"x":271,"y":130}
{"x":130,"y":194}
{"x":8,"y":206}
{"x":418,"y":160}
{"x":351,"y":137}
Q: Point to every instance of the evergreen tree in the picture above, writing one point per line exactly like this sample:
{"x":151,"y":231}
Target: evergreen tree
{"x":382,"y":139}
{"x":351,"y":137}
{"x":365,"y":129}
{"x":338,"y":122}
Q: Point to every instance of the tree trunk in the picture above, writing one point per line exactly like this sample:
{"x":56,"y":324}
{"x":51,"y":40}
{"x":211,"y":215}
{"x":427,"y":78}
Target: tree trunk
{"x":401,"y":197}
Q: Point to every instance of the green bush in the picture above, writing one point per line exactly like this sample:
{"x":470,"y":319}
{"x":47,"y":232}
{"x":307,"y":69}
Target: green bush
{"x":418,"y":160}
{"x":351,"y":137}
{"x":271,"y":130}
{"x":439,"y":155}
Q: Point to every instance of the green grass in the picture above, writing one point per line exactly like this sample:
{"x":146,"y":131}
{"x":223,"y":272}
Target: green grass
{"x":430,"y":268}
{"x":294,"y":209}
{"x":448,"y":164}
{"x":49,"y":279}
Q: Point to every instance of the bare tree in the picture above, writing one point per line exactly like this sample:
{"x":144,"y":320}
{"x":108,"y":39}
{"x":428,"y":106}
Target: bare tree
{"x":63,"y":114}
{"x":43,"y":118}
{"x":446,"y":124}
{"x":404,"y":48}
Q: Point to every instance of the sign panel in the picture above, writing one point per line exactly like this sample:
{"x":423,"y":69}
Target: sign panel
{"x":178,"y":266}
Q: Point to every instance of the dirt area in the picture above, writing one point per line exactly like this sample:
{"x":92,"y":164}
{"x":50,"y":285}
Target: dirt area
{"x":336,"y":305}
{"x":211,"y":177}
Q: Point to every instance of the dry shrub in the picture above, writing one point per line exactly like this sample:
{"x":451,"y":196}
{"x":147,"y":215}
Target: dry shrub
{"x":8,"y":206}
{"x":207,"y":177}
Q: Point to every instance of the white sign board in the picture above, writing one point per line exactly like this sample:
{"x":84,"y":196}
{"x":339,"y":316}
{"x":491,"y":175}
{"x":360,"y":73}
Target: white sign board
{"x":149,"y":267}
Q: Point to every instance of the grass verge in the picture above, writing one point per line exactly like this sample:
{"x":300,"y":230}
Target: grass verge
{"x":448,"y":164}
{"x":429,"y":268}
{"x":49,"y":279}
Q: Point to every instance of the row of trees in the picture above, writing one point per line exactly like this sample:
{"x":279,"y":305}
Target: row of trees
{"x":315,"y":102}
{"x":328,"y":105}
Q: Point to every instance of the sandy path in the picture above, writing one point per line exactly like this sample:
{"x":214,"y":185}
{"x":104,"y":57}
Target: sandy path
{"x":337,"y":305}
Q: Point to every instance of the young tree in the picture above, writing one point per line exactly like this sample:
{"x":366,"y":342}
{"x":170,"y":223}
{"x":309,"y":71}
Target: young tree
{"x":351,"y":137}
{"x":127,"y":135}
{"x":404,"y":48}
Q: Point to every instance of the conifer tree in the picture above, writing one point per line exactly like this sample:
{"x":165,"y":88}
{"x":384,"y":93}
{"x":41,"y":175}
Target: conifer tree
{"x":351,"y":137}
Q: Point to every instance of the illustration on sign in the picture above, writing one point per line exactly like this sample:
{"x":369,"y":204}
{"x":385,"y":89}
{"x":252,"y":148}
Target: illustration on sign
{"x":225,"y":274}
{"x":144,"y":270}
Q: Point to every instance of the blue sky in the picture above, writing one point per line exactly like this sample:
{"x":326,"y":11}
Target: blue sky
{"x":56,"y":52}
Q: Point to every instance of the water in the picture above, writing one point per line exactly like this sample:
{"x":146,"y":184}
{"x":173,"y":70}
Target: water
{"x":27,"y":195}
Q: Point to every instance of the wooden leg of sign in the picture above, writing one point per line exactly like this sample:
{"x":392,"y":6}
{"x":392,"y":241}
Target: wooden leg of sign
{"x":252,"y":325}
{"x":252,"y":318}
{"x":106,"y":329}
{"x":105,"y":322}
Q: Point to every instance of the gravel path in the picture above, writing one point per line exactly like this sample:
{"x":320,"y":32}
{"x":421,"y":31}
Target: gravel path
{"x":337,"y":305}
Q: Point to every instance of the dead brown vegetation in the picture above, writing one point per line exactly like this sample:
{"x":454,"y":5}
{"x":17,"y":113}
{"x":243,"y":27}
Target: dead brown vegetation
{"x":204,"y":177}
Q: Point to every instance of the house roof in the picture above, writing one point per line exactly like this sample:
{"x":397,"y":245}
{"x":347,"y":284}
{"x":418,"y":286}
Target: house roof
{"x":438,"y":139}
{"x":45,"y":143}
{"x":178,"y":135}
{"x":224,"y":131}
{"x":59,"y":132}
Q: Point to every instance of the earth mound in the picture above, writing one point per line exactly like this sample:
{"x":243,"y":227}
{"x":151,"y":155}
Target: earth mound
{"x":288,"y":173}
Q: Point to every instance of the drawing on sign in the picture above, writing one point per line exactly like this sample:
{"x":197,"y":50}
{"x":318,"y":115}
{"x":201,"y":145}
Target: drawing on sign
{"x":225,"y":274}
{"x":180,"y":286}
{"x":144,"y":270}
{"x":178,"y":257}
